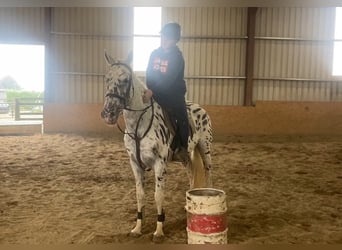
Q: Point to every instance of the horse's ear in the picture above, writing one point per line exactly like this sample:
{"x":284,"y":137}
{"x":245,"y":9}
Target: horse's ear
{"x":129,"y":59}
{"x":109,"y":59}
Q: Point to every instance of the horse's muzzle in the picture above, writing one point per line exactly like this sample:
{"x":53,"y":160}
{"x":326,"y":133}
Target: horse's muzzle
{"x":109,"y":116}
{"x":103,"y":114}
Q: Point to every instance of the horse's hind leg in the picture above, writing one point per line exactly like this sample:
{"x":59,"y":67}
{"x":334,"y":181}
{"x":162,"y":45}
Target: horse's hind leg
{"x":140,"y":193}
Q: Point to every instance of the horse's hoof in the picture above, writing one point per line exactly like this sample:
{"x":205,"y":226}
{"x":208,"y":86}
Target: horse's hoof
{"x":158,"y":238}
{"x":134,"y":235}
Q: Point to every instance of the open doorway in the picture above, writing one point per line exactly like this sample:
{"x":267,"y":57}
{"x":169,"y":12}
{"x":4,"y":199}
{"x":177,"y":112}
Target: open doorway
{"x":147,"y":25}
{"x":337,"y":61}
{"x":22,"y":74}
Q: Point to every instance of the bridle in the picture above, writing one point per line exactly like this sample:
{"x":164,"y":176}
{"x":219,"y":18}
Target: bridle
{"x":130,"y":85}
{"x":124,"y":99}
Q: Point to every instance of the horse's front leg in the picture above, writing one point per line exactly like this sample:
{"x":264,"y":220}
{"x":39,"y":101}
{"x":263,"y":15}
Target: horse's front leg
{"x":140,"y":194}
{"x":160,"y":179}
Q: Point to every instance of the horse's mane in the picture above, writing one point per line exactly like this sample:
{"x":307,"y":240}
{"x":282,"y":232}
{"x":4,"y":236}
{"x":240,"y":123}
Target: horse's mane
{"x":137,"y":81}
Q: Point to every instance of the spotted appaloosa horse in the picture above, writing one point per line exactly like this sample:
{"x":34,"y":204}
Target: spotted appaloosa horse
{"x":147,"y":137}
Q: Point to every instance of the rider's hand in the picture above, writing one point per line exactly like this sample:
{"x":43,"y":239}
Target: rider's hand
{"x":147,"y":95}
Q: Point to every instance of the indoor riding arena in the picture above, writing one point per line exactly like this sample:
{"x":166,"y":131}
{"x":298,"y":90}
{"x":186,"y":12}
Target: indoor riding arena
{"x":269,"y":76}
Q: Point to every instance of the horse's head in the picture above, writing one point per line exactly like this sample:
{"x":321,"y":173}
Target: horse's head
{"x":118,"y":83}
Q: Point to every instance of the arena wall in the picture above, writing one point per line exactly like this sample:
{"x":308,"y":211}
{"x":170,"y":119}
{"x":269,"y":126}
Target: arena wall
{"x":265,"y":118}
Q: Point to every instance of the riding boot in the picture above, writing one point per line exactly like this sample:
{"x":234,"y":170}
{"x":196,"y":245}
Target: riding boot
{"x":183,"y":130}
{"x":176,"y":142}
{"x":182,"y":154}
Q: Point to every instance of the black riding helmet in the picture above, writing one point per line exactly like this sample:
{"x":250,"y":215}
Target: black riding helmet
{"x":171,"y":31}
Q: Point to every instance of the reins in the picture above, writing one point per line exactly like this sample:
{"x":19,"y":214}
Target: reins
{"x":135,"y":136}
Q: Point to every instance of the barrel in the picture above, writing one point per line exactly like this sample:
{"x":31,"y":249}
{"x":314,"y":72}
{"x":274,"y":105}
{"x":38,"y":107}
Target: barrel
{"x":206,"y":216}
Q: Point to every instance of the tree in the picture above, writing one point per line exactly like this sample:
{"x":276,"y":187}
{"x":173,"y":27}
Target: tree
{"x":8,"y":82}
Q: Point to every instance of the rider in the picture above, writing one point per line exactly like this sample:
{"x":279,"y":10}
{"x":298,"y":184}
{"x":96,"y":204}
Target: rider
{"x":165,"y":81}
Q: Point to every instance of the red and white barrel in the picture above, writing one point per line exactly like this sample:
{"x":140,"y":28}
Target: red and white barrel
{"x":206,"y":216}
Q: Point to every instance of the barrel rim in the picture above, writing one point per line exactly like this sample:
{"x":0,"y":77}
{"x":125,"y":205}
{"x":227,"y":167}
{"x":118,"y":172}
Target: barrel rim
{"x":224,"y":232}
{"x":210,"y":192}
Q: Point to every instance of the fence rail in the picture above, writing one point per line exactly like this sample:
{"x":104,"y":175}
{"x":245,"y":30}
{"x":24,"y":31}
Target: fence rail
{"x":29,"y":109}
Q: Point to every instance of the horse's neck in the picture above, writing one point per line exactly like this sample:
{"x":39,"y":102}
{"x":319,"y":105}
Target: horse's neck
{"x":136,"y":103}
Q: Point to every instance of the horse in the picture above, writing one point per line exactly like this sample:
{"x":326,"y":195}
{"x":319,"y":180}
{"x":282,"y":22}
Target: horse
{"x":148,"y":136}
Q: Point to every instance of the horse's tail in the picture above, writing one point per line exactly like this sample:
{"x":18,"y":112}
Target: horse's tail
{"x":197,"y":169}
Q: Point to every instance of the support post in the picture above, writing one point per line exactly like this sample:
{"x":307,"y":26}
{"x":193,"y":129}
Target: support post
{"x":17,"y":110}
{"x":251,"y":19}
{"x":47,"y":43}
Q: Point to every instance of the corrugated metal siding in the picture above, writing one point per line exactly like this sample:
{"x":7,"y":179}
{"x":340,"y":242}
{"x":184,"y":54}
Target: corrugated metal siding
{"x":293,"y":59}
{"x":292,"y":43}
{"x":79,"y":38}
{"x":213,"y":44}
{"x":93,"y":21}
{"x":308,"y":23}
{"x":78,"y":88}
{"x":22,"y":25}
{"x":293,"y":55}
{"x":278,"y":90}
{"x":78,"y":54}
{"x":216,"y":91}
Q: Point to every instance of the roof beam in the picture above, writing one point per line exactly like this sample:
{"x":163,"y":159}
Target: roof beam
{"x":170,"y":3}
